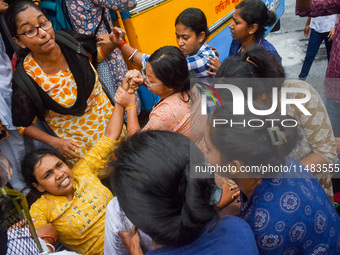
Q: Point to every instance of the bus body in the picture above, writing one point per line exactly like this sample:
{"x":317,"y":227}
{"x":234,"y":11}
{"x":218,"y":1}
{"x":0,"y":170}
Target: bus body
{"x":151,"y":24}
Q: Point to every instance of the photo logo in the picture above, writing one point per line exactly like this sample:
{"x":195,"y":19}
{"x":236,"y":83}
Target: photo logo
{"x":239,"y":100}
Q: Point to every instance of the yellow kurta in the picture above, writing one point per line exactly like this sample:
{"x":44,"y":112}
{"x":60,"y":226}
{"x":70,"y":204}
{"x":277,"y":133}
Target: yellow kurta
{"x":80,"y":222}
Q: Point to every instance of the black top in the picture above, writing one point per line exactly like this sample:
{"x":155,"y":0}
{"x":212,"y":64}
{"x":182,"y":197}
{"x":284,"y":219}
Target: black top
{"x":30,"y":100}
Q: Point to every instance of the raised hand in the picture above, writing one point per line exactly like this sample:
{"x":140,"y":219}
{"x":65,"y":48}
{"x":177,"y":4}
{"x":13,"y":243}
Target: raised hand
{"x":229,"y":195}
{"x":131,"y":241}
{"x":214,"y":50}
{"x":124,"y":98}
{"x":117,"y":36}
{"x":103,"y":39}
{"x":214,"y":65}
{"x":132,"y":80}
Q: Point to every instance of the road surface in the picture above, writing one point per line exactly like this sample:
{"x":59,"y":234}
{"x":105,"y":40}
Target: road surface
{"x":291,"y":44}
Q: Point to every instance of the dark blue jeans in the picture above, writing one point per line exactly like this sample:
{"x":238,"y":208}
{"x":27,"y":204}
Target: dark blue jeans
{"x":315,"y":40}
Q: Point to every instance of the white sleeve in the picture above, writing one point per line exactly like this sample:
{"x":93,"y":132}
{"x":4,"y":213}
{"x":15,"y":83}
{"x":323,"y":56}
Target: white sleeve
{"x":115,"y":221}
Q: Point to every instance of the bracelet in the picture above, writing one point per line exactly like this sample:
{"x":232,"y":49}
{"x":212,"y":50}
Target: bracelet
{"x":100,"y":54}
{"x":133,"y":54}
{"x":50,"y":237}
{"x":50,"y":245}
{"x":131,"y":106}
{"x":121,"y":45}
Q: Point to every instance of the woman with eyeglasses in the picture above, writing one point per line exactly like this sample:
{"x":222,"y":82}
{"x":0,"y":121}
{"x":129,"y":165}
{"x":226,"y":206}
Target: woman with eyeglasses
{"x":191,"y":33}
{"x":55,"y":82}
{"x":166,"y":75}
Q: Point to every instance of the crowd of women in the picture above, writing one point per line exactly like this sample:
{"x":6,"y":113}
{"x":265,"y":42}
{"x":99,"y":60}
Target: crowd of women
{"x":156,"y":202}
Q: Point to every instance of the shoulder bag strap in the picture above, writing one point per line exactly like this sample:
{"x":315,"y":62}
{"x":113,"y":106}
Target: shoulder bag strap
{"x":106,"y":23}
{"x":71,"y":42}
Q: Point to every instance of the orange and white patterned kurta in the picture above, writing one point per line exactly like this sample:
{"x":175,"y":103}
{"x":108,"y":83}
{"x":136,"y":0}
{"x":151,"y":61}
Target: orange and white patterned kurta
{"x":62,"y":88}
{"x":178,"y":115}
{"x":171,"y":114}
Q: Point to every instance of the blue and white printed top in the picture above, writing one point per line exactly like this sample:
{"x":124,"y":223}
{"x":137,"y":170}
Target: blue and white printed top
{"x":292,"y":216}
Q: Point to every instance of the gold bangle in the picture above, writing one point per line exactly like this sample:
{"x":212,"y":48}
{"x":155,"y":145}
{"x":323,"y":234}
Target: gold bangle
{"x":131,"y":106}
{"x":100,"y":54}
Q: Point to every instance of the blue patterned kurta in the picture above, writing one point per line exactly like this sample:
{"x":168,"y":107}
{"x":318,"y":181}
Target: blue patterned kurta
{"x":292,"y":216}
{"x":85,"y":16}
{"x":235,"y":47}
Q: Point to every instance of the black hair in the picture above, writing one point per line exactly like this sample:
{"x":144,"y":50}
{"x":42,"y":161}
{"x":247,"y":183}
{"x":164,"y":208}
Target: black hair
{"x":255,"y":62}
{"x":13,"y":11}
{"x":29,"y":162}
{"x":194,"y":19}
{"x":251,"y":145}
{"x":256,"y":12}
{"x":16,"y":7}
{"x":170,"y":66}
{"x":151,"y":179}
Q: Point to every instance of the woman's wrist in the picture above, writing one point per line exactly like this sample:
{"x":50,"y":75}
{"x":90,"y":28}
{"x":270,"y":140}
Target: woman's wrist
{"x":131,"y":106}
{"x":135,"y":250}
{"x":132,"y":55}
{"x":48,"y":238}
{"x":53,"y":141}
{"x":122,"y":44}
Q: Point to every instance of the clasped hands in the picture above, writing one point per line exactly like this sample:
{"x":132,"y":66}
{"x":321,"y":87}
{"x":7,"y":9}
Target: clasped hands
{"x":116,"y":37}
{"x":125,"y":95}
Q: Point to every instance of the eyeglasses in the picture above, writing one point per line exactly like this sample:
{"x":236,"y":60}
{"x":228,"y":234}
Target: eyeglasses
{"x":146,"y":82}
{"x":34,"y":31}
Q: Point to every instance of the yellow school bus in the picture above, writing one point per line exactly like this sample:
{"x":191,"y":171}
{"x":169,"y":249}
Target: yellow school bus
{"x":151,"y":24}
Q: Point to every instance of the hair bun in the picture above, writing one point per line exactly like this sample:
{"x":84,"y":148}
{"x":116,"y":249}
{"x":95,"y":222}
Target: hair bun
{"x":271,"y":18}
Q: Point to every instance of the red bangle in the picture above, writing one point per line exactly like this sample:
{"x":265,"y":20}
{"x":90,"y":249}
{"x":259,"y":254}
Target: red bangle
{"x":50,"y":237}
{"x":121,"y":45}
